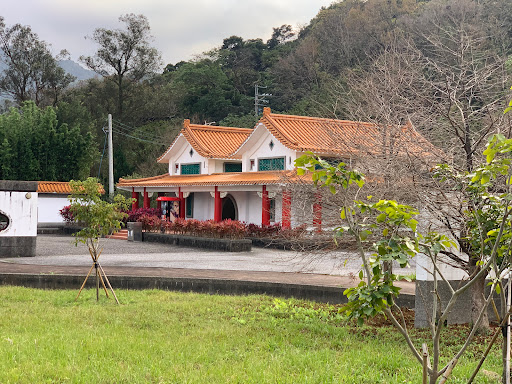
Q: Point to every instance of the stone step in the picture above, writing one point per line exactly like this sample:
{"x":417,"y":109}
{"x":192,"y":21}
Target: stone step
{"x":119,"y":235}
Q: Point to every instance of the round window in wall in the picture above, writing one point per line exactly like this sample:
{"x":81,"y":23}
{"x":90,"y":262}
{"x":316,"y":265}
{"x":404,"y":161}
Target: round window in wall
{"x":4,"y":221}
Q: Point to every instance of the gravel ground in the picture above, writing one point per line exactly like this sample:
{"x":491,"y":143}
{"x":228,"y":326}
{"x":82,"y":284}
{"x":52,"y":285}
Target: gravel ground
{"x":60,"y":250}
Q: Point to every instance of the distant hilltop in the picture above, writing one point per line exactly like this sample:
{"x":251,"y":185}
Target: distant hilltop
{"x":76,"y":70}
{"x":71,"y":67}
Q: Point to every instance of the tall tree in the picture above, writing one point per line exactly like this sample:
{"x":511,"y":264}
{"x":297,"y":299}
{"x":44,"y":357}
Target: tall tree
{"x":35,"y":145}
{"x":124,"y":55}
{"x":31,"y":73}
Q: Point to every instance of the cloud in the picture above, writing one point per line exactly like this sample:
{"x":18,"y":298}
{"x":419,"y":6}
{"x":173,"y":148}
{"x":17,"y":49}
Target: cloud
{"x":181,"y":28}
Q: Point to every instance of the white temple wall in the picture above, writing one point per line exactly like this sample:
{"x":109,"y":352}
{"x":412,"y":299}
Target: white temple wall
{"x":203,"y":206}
{"x":261,"y":150}
{"x":49,"y":206}
{"x":183,"y":157}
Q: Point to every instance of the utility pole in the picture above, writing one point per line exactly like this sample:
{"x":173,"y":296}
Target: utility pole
{"x":259,"y":99}
{"x":110,"y":159}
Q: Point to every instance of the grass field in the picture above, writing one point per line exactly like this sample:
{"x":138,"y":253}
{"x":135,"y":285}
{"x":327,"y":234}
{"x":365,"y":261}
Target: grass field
{"x":167,"y":337}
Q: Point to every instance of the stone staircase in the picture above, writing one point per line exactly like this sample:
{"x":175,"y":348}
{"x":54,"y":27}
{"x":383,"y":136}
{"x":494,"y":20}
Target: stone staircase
{"x":120,"y":235}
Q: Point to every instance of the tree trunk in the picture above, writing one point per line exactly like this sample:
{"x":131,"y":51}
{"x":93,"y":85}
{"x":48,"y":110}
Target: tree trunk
{"x":120,"y":97}
{"x":477,"y":303}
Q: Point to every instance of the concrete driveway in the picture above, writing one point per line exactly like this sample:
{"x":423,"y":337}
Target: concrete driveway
{"x":61,"y":251}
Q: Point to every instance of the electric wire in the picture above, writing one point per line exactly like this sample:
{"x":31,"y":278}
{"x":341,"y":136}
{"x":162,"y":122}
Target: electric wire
{"x":145,"y":135}
{"x":141,"y":135}
{"x":115,"y":130}
{"x":128,"y":129}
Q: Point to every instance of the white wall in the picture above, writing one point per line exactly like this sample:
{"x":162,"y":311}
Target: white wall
{"x":203,"y":206}
{"x":182,"y":156}
{"x":48,"y":208}
{"x":258,"y":148}
{"x":21,"y":209}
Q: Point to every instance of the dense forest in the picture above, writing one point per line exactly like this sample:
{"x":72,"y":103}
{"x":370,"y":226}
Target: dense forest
{"x":443,"y":65}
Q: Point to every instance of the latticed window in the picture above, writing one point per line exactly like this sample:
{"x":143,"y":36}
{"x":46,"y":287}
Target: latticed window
{"x":232,"y":167}
{"x":189,"y":206}
{"x":272,"y":211}
{"x":190,"y":169}
{"x":273,"y":164}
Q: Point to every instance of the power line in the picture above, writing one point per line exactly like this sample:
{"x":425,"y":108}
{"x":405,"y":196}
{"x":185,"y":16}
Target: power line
{"x":130,"y":130}
{"x":138,"y":134}
{"x":117,"y":131}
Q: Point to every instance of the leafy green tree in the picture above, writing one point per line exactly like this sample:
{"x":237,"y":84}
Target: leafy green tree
{"x":280,"y":36}
{"x":98,"y":217}
{"x":32,"y":72}
{"x":204,"y":89}
{"x":37,"y":146}
{"x":386,"y":231}
{"x":124,"y":56}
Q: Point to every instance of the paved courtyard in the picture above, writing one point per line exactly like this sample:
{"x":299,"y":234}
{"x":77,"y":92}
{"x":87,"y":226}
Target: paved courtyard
{"x":61,"y":251}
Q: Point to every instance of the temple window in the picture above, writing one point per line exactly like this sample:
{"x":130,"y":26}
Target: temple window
{"x":272,"y":164}
{"x":191,"y":169}
{"x":232,"y":167}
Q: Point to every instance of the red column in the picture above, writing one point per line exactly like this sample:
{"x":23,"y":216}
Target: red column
{"x":217,"y":211}
{"x":135,"y":203}
{"x":146,"y":198}
{"x":286,"y":212}
{"x":265,"y":207}
{"x":159,"y":203}
{"x":317,"y":212}
{"x":182,"y":204}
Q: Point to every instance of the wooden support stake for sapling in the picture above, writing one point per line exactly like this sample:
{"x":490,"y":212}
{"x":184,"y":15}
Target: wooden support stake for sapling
{"x":448,"y":371}
{"x":425,"y":363}
{"x":99,"y":219}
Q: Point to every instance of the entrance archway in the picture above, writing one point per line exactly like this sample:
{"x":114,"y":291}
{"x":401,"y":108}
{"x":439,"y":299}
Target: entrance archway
{"x":229,"y":208}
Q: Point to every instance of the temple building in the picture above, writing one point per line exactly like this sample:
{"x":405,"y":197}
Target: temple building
{"x":244,"y":174}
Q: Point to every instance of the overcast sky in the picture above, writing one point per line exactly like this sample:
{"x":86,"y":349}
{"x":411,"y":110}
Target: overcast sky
{"x":181,"y":28}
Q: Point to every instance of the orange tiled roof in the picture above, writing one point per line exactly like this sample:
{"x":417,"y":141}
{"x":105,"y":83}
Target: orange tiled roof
{"x":58,"y":187}
{"x":212,"y":141}
{"x":216,"y":179}
{"x":343,"y":137}
{"x":61,"y":187}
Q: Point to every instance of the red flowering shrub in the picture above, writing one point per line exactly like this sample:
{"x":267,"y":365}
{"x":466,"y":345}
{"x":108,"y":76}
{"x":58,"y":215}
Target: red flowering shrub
{"x":66,"y":214}
{"x":150,"y":223}
{"x":231,"y":229}
{"x":134,"y":216}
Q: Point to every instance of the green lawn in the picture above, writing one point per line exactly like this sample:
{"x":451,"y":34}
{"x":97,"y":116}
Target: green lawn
{"x":168,"y":337}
